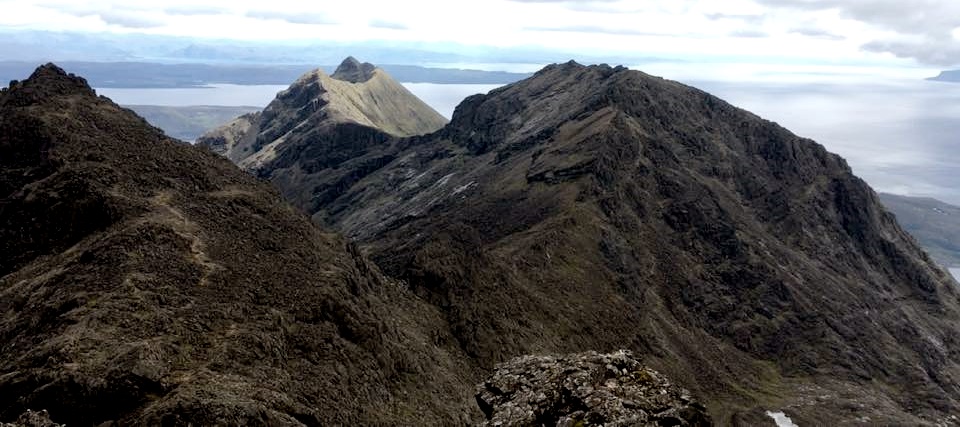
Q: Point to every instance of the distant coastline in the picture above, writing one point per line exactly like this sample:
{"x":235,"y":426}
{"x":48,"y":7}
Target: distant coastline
{"x":179,"y":76}
{"x":949,"y":76}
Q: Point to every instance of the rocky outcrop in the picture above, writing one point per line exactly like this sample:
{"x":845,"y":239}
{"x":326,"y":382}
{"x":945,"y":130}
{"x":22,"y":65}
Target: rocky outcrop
{"x":147,"y":282}
{"x":586,"y":389}
{"x":33,"y":419}
{"x":353,"y":71}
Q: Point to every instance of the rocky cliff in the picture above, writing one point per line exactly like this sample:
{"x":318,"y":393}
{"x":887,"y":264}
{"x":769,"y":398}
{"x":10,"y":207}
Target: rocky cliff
{"x":602,"y":208}
{"x":147,"y":282}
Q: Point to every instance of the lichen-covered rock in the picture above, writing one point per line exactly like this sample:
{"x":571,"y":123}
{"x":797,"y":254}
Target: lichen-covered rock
{"x":585,"y":389}
{"x":33,"y":419}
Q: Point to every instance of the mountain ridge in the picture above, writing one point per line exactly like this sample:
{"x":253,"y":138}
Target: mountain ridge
{"x":598,"y":207}
{"x":145,"y":281}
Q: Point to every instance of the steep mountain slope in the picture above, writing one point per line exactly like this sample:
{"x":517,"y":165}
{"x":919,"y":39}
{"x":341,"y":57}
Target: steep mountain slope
{"x":356,"y":94}
{"x":600,"y":208}
{"x":935,"y":224}
{"x":148,"y":282}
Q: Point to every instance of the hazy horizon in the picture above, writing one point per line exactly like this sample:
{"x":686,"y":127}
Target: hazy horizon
{"x":849,"y":75}
{"x":737,"y":40}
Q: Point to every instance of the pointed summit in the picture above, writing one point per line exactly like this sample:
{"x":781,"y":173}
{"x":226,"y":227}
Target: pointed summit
{"x":354,"y":71}
{"x":48,"y":80}
{"x":356,"y":96}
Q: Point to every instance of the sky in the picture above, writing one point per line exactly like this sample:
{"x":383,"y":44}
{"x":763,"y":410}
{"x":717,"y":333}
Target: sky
{"x":893,"y":36}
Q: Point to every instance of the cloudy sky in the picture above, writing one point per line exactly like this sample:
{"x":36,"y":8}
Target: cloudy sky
{"x":842,"y":31}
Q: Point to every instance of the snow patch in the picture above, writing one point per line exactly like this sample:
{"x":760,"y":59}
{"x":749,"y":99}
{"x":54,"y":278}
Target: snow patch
{"x":781,"y":419}
{"x":443,"y":181}
{"x":463,"y":188}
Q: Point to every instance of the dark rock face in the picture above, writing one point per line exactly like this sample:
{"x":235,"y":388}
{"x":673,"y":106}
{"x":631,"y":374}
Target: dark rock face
{"x":354,"y":71}
{"x":602,"y":208}
{"x":586,"y":389}
{"x":147,"y":282}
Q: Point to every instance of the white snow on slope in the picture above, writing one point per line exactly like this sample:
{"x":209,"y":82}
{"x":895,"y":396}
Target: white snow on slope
{"x":781,"y":419}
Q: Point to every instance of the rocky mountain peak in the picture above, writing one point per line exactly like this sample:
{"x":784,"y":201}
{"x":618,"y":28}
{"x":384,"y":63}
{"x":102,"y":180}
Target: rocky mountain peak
{"x":47,"y":80}
{"x":533,"y":108}
{"x":359,"y":102}
{"x":353,"y":71}
{"x":589,"y":206}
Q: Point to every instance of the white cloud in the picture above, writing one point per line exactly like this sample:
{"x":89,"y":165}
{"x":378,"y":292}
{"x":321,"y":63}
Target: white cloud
{"x":921,"y":29}
{"x":786,"y":31}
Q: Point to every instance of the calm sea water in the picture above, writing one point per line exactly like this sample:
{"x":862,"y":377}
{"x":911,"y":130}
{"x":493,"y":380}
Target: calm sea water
{"x":221,"y":94}
{"x":442,"y":97}
{"x":901,"y":136}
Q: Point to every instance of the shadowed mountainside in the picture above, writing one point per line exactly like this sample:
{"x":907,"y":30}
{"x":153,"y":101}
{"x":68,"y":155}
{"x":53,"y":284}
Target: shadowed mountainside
{"x":601,"y":208}
{"x":147,"y":282}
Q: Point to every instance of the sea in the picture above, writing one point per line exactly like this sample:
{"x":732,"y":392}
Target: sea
{"x":956,"y":273}
{"x":900,"y":135}
{"x":442,"y":97}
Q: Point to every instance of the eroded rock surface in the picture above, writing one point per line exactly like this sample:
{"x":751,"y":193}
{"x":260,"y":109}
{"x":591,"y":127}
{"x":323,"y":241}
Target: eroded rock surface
{"x":33,"y":419}
{"x":586,"y":389}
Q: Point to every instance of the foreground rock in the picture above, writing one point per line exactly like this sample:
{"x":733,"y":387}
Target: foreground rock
{"x":33,"y":419}
{"x":587,"y":389}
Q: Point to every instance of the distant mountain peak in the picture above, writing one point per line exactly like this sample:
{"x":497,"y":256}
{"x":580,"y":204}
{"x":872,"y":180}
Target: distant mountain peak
{"x":355,"y":95}
{"x":354,"y":71}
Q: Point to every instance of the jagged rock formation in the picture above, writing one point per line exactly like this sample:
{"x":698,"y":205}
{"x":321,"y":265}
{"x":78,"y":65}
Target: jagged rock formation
{"x":147,"y":282}
{"x":602,"y":208}
{"x":356,"y":107}
{"x":587,"y":389}
{"x":33,"y":419}
{"x":353,"y":71}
